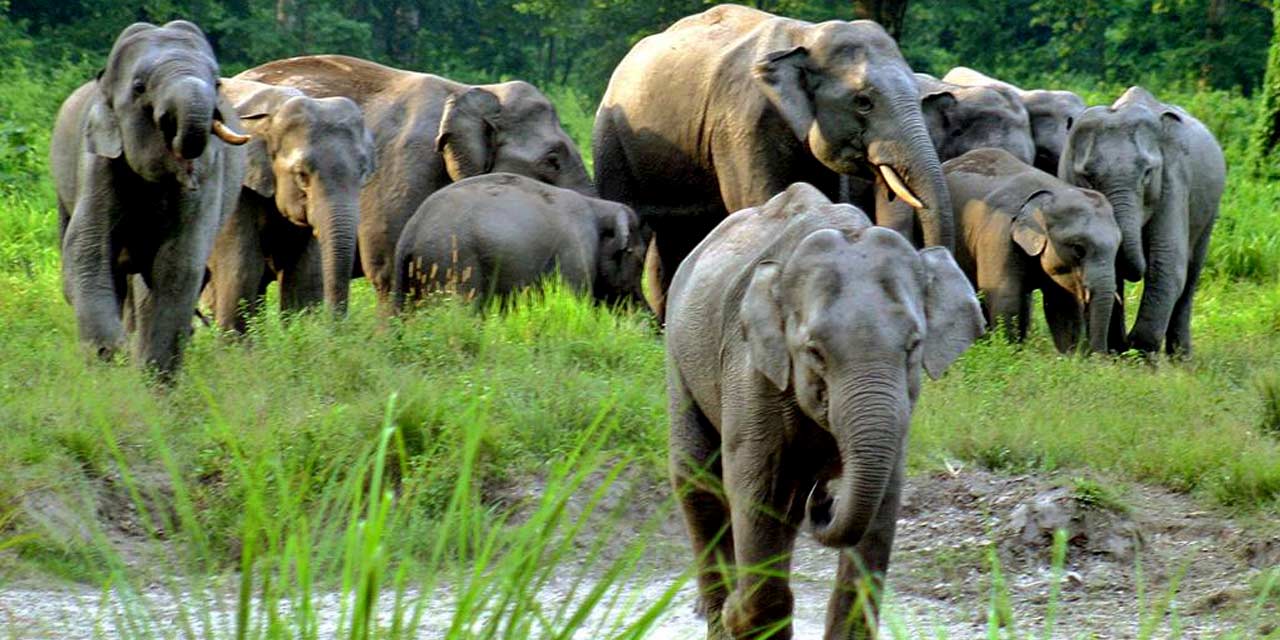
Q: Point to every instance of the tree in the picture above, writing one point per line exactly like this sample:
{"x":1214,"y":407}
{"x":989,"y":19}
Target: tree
{"x":1266,"y":132}
{"x":889,"y":13}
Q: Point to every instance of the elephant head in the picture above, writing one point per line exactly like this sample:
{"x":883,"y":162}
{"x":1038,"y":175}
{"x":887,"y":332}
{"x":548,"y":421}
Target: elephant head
{"x":511,"y":127}
{"x":961,"y":119}
{"x":158,"y":103}
{"x":848,"y":321}
{"x":619,"y":253}
{"x":1073,"y":234}
{"x":312,"y":156}
{"x":1053,"y":114}
{"x":1119,"y":151}
{"x":846,"y":92}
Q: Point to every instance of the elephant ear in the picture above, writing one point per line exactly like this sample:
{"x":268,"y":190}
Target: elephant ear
{"x":102,"y":131}
{"x":466,"y":132}
{"x":781,"y":75}
{"x":936,"y":106}
{"x":368,"y":164}
{"x":953,"y":318}
{"x":762,"y":325}
{"x":255,"y":112}
{"x":1028,"y":226}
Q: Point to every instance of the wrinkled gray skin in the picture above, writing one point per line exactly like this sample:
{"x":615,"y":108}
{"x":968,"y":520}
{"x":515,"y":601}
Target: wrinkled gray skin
{"x":494,"y":234}
{"x":1019,"y":229}
{"x":143,"y":185}
{"x":1052,"y":113}
{"x":429,"y":131}
{"x":730,"y":106}
{"x":796,"y":334}
{"x":299,"y":208}
{"x":961,"y":119}
{"x":1164,"y":173}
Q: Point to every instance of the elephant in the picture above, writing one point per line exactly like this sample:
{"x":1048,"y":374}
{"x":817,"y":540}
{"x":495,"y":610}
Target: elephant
{"x":1020,"y":229}
{"x":493,"y":234}
{"x":1164,"y":174}
{"x":796,"y":333}
{"x":728,"y":107}
{"x":299,"y":205}
{"x":961,"y":119}
{"x":429,"y":131}
{"x":146,"y":163}
{"x":1052,"y":112}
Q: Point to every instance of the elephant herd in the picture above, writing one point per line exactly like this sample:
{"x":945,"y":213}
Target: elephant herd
{"x":735,"y":155}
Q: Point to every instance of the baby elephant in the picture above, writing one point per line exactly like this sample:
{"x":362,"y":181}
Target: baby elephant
{"x":1019,"y":229}
{"x":493,"y":234}
{"x":796,"y":337}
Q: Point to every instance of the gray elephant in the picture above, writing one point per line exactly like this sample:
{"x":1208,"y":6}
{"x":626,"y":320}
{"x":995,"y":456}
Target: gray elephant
{"x":1020,"y":229}
{"x":796,"y":334}
{"x":1164,"y":174}
{"x":146,"y":170}
{"x":493,"y":234}
{"x":730,"y":106}
{"x":1052,"y":112}
{"x":429,"y":131}
{"x":961,"y":119}
{"x":300,"y":205}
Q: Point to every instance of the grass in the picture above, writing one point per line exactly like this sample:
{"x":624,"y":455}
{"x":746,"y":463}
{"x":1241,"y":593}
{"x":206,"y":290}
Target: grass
{"x":378,"y":459}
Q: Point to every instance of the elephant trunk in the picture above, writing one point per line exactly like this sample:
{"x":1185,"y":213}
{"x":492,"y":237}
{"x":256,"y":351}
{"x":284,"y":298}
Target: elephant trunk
{"x":574,"y":176}
{"x":869,"y":425}
{"x":185,"y":115}
{"x":335,"y":221}
{"x":1128,"y":211}
{"x":1101,"y":285}
{"x":908,"y":165}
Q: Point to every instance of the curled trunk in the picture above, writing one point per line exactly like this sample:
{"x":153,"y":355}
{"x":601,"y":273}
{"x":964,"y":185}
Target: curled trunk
{"x":190,"y":104}
{"x":868,"y":427}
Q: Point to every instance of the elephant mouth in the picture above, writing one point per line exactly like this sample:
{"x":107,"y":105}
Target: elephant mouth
{"x":899,"y":186}
{"x":820,"y":505}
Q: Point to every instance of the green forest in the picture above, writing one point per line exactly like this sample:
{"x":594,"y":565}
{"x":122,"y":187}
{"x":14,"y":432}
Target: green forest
{"x":504,"y":473}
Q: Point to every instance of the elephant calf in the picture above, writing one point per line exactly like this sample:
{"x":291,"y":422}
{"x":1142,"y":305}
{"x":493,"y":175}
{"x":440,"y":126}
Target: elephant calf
{"x":796,"y":334}
{"x":300,"y":205}
{"x":495,"y":233}
{"x":1020,"y":229}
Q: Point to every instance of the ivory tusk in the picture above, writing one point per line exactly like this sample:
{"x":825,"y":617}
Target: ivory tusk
{"x":899,"y":187}
{"x":228,"y":136}
{"x":1119,"y":300}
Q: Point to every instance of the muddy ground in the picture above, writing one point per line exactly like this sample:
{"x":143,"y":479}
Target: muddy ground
{"x":1128,"y":548}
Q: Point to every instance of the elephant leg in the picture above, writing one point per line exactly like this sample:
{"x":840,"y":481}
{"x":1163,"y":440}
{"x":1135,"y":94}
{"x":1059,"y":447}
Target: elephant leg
{"x":1064,"y":316}
{"x":854,"y":608}
{"x":762,"y":492}
{"x":237,"y":268}
{"x":91,"y":280}
{"x":1164,"y":283}
{"x":302,"y":281}
{"x":1010,"y":308}
{"x":1178,"y":338}
{"x":696,"y":478}
{"x":177,"y":274}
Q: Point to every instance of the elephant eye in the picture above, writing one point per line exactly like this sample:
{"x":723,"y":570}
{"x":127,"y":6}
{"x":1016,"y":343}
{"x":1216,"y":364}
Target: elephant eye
{"x":139,"y":86}
{"x":913,"y":344}
{"x":863,"y":103}
{"x":815,"y":354}
{"x":552,"y":162}
{"x":1070,"y":122}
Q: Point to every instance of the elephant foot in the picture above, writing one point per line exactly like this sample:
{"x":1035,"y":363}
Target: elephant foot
{"x":765,"y":613}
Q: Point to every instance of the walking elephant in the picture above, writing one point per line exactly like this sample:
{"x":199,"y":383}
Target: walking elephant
{"x":493,"y":234}
{"x":429,"y":131}
{"x":1020,"y":229}
{"x":299,"y":206}
{"x":730,"y":106}
{"x":1052,"y":112}
{"x":146,"y":166}
{"x":1164,"y":174}
{"x":796,"y":334}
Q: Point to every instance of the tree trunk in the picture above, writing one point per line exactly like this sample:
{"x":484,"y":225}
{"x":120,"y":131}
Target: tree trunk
{"x":889,"y":13}
{"x":1266,"y":131}
{"x":1213,"y":36}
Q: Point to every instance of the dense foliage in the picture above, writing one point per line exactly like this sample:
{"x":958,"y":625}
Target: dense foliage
{"x":1218,"y":44}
